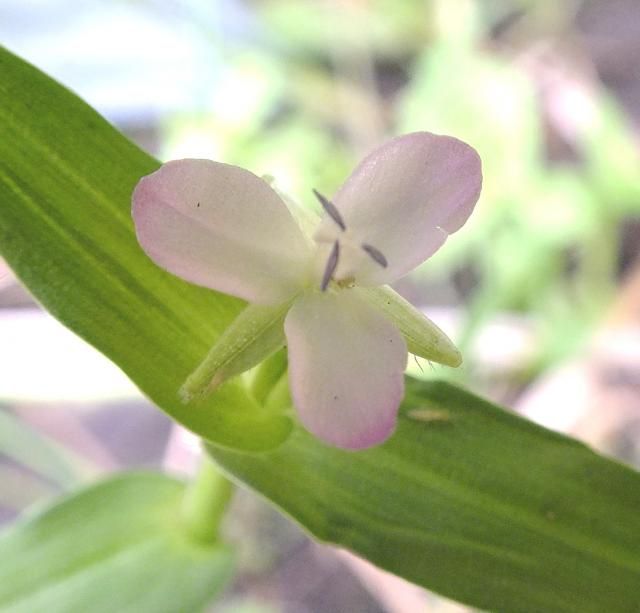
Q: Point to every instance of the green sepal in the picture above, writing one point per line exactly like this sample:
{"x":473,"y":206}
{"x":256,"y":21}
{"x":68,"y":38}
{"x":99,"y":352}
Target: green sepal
{"x":256,"y":333}
{"x":423,"y":337}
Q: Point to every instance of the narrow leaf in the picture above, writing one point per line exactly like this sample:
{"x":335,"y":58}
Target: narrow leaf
{"x":66,"y":178}
{"x":116,"y":546}
{"x":470,"y":501}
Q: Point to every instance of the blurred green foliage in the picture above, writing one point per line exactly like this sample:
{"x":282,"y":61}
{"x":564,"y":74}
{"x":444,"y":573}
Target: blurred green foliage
{"x":319,"y":83}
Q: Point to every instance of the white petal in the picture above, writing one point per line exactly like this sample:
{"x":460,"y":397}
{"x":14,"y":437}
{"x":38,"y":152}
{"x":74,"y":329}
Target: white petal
{"x":404,"y":199}
{"x":346,"y":368}
{"x":222,"y":227}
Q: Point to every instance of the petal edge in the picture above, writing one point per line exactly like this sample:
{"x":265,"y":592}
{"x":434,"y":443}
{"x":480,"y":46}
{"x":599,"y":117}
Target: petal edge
{"x":405,"y":198}
{"x":221,"y":227}
{"x":346,"y":368}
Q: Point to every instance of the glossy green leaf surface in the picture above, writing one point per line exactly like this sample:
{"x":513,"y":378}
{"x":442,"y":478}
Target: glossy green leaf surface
{"x":116,"y":546}
{"x":470,"y":501}
{"x":66,"y":178}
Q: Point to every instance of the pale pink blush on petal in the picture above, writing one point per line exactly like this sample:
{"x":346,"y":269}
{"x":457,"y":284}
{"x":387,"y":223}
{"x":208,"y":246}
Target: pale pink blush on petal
{"x":221,"y":227}
{"x":405,"y":198}
{"x":346,"y":369}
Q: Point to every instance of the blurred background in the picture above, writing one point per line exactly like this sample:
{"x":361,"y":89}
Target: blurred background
{"x":541,"y":288}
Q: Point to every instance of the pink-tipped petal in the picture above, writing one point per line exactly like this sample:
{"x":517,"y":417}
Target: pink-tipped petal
{"x":222,"y":227}
{"x":346,"y":368}
{"x":404,"y":199}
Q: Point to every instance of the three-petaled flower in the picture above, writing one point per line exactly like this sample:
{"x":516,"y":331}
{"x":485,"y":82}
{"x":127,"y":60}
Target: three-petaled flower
{"x":222,"y":227}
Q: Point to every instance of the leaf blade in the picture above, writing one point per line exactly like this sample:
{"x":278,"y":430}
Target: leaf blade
{"x":116,"y":545}
{"x":66,"y":178}
{"x":481,"y":506}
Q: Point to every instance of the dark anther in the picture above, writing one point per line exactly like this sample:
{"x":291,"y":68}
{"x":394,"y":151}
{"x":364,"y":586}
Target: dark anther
{"x":332,"y":264}
{"x":330,"y":209}
{"x":376,"y":255}
{"x":198,"y":205}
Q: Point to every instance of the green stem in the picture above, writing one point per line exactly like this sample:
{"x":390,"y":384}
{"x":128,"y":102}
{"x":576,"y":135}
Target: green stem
{"x":205,"y":501}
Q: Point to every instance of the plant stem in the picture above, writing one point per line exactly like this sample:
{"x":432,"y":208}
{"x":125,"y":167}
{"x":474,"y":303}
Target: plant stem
{"x":205,"y":501}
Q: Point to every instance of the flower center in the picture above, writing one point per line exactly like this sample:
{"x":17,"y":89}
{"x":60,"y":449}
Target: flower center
{"x":344,"y":240}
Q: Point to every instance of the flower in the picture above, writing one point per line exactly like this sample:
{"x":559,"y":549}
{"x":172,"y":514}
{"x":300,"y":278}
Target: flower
{"x":224,"y":228}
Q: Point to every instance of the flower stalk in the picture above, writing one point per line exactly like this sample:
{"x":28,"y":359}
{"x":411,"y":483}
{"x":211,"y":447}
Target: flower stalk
{"x":205,"y":502}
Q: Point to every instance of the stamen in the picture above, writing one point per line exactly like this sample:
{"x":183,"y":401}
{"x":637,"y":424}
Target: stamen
{"x":330,"y":209}
{"x":332,"y":264}
{"x":376,"y":255}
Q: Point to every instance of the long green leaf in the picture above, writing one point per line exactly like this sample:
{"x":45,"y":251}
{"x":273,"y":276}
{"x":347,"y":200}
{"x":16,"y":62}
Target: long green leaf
{"x":470,"y":501}
{"x":117,"y":546}
{"x":66,"y":178}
